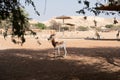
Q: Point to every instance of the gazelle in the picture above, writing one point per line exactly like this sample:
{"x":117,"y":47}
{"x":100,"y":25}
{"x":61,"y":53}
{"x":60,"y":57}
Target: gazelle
{"x":57,"y":45}
{"x":97,"y":35}
{"x":117,"y":35}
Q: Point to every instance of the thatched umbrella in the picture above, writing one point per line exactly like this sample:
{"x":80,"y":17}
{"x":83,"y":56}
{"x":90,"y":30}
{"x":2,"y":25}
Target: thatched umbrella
{"x":63,"y":18}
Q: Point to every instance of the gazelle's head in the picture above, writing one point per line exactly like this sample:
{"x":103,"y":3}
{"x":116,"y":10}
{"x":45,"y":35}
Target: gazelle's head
{"x":51,"y":37}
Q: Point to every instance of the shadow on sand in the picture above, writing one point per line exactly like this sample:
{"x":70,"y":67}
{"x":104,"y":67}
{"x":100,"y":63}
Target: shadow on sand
{"x":25,"y":64}
{"x":102,"y":39}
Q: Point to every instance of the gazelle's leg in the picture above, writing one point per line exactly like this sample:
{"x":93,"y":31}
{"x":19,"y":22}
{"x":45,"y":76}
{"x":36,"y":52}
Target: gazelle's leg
{"x":117,"y":37}
{"x":65,"y":51}
{"x":55,"y":52}
{"x":98,"y":37}
{"x":58,"y":50}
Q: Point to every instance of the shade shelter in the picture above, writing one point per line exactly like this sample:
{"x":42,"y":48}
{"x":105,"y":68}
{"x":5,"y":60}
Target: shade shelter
{"x":70,"y":24}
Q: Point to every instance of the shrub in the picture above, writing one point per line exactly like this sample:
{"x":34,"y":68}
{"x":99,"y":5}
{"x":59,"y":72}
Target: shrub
{"x":109,"y":26}
{"x":116,"y":27}
{"x":64,"y":28}
{"x":82,"y":28}
{"x":92,"y":27}
{"x":40,"y":25}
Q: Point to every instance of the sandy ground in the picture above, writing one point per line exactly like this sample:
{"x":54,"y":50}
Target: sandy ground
{"x":86,"y":60}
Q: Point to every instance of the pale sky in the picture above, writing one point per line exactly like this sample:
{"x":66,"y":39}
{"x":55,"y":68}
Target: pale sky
{"x":54,"y":8}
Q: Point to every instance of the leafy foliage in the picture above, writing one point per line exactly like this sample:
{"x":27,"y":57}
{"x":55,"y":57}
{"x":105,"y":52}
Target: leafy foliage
{"x":7,"y":7}
{"x":82,"y":28}
{"x":11,"y":9}
{"x":41,"y":25}
{"x":91,"y":8}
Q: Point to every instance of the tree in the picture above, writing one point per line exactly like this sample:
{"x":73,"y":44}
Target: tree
{"x":99,"y":6}
{"x":55,"y":25}
{"x":11,"y":10}
{"x":87,"y":6}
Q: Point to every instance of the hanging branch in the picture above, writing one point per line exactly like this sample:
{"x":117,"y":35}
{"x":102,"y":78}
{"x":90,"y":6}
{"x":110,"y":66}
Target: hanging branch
{"x":30,"y":2}
{"x":87,"y":3}
{"x":86,"y":7}
{"x":12,"y":9}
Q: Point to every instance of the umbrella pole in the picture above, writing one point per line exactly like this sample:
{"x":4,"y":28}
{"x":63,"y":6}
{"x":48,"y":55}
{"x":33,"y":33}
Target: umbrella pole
{"x":63,"y":21}
{"x":59,"y":28}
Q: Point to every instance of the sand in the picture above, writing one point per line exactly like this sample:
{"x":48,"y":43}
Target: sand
{"x":85,"y":60}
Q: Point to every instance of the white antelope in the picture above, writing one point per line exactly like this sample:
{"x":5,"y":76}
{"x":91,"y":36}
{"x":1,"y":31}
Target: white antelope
{"x":57,"y":45}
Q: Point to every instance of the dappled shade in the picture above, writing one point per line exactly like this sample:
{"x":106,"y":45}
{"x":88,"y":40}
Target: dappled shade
{"x":38,"y":65}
